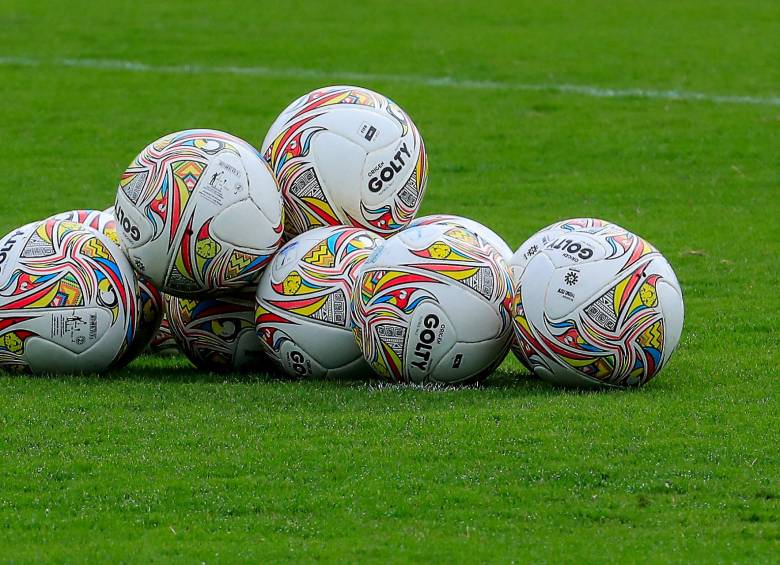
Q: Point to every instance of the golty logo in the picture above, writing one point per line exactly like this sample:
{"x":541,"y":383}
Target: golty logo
{"x":387,"y":173}
{"x":130,"y":230}
{"x":425,"y":341}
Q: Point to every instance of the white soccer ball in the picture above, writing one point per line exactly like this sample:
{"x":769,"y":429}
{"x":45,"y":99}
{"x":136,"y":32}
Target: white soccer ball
{"x":347,"y":155}
{"x":150,"y":305}
{"x":488,"y":235}
{"x":303,"y":303}
{"x":199,"y":211}
{"x":433,"y":305}
{"x":217,"y":333}
{"x":67,"y":299}
{"x":598,"y":307}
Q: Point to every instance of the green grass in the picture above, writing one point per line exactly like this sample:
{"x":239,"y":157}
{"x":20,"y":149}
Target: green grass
{"x":160,"y":462}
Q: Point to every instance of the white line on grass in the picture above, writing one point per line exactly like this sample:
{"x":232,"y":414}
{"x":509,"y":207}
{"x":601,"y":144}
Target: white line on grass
{"x":447,"y":82}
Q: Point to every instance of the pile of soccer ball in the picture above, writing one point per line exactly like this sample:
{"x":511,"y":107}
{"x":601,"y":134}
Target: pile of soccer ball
{"x":307,"y":260}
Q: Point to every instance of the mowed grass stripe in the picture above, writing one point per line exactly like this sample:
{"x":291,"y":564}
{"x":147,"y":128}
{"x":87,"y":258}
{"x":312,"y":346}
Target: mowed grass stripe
{"x":433,"y":81}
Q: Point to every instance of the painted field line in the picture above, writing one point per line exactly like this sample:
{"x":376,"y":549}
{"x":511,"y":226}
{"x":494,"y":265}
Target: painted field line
{"x":442,"y":82}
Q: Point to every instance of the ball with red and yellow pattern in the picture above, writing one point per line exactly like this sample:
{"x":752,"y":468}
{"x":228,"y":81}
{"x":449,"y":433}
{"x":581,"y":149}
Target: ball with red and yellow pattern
{"x":347,"y":155}
{"x":303,"y":303}
{"x":432,"y":305}
{"x":199,"y":211}
{"x":68,"y":300}
{"x":597,"y":306}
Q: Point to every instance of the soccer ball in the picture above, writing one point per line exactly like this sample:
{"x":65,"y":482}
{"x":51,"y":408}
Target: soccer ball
{"x":484,"y":232}
{"x":150,"y":306}
{"x":303,"y":303}
{"x":598,"y":306}
{"x":217,"y":333}
{"x":433,"y":305}
{"x":199,"y":211}
{"x":347,"y":155}
{"x":67,"y":299}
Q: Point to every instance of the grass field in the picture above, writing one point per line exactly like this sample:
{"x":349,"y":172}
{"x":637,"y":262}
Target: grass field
{"x":160,"y":462}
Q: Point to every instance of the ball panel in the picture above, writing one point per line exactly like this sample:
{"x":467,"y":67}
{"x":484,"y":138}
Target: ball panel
{"x":389,"y":168}
{"x":333,"y":354}
{"x":11,"y":246}
{"x":396,"y":202}
{"x":430,"y":336}
{"x":383,"y":299}
{"x":489,"y":236}
{"x":59,"y":353}
{"x":671,"y":304}
{"x":265,"y":193}
{"x":465,"y":362}
{"x":368,"y":128}
{"x":540,"y":239}
{"x":320,"y":100}
{"x":339,"y":162}
{"x":138,"y":243}
{"x":295,"y":361}
{"x":237,"y":225}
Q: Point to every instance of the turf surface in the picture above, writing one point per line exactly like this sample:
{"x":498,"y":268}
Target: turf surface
{"x":160,"y":462}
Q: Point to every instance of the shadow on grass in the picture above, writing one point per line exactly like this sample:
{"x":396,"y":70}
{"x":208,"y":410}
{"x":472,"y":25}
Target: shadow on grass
{"x":177,"y":369}
{"x":186,"y":374}
{"x":521,"y":383}
{"x":507,"y":382}
{"x":152,"y":369}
